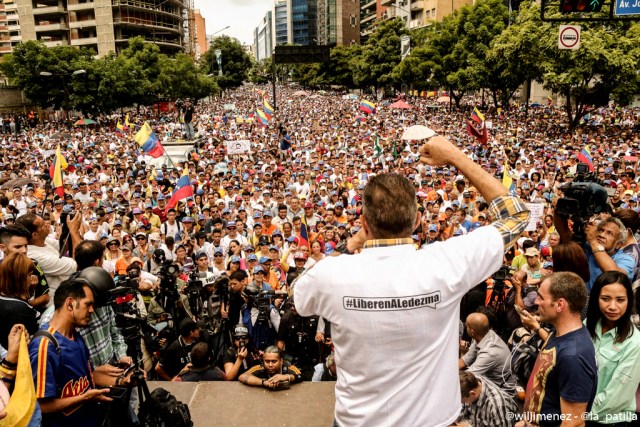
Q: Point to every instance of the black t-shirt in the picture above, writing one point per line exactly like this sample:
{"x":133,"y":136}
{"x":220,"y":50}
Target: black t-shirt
{"x":230,"y":356}
{"x":298,"y":334}
{"x":565,"y":368}
{"x":210,"y":373}
{"x":12,"y":312}
{"x":175,"y":357}
{"x":235,"y":305}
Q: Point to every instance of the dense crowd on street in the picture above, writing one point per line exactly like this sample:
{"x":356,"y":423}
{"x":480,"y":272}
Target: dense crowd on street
{"x":208,"y":280}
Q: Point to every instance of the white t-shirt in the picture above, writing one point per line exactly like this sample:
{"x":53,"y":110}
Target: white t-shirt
{"x":394,"y":314}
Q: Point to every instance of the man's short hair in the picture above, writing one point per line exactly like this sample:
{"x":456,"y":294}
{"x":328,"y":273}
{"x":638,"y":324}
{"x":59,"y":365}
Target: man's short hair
{"x":238,"y":275}
{"x":273,"y":349}
{"x":187,"y":326}
{"x":200,"y":355}
{"x":390,"y":206}
{"x":468,"y":382}
{"x":14,"y":230}
{"x":70,"y":288}
{"x":27,"y":221}
{"x":87,"y":253}
{"x":570,"y":287}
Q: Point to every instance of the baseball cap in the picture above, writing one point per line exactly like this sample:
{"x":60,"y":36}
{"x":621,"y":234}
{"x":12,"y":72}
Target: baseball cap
{"x":187,"y":219}
{"x":264,"y":259}
{"x":258,"y":269}
{"x":300,"y":255}
{"x":235,"y":258}
{"x":433,"y":227}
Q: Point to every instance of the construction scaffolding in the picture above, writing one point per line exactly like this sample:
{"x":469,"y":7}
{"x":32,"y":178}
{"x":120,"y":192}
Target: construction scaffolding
{"x":323,"y":22}
{"x":190,"y":32}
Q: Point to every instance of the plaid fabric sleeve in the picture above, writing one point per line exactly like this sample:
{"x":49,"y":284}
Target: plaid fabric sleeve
{"x":511,"y":217}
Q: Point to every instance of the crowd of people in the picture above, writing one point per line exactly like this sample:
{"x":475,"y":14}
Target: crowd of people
{"x":244,"y":278}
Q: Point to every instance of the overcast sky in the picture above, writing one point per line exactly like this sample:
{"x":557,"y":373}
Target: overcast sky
{"x":242,"y":16}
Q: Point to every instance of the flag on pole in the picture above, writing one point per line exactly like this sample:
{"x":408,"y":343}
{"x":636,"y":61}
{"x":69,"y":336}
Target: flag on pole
{"x":549,"y":100}
{"x":183,"y":190}
{"x":477,"y":116}
{"x":264,"y":119}
{"x":148,"y":141}
{"x":55,"y":172}
{"x":367,"y":106}
{"x":126,"y":121}
{"x":120,"y":128}
{"x":585,"y":157}
{"x":268,"y":109}
{"x":377,"y":149}
{"x":507,"y":181}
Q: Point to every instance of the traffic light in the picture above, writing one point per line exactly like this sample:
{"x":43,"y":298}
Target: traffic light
{"x":571,"y":6}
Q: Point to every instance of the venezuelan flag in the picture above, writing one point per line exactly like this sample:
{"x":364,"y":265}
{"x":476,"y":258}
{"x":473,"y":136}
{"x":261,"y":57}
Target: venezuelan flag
{"x":268,"y":109}
{"x":264,"y":119}
{"x":183,"y":190}
{"x":120,"y":128}
{"x":507,"y":181}
{"x":477,"y":116}
{"x":55,"y":172}
{"x":148,"y":141}
{"x":367,"y":106}
{"x":304,"y":234}
{"x":585,"y":157}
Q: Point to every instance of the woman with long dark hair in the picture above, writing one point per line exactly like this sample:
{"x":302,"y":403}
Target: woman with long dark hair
{"x":617,"y":344}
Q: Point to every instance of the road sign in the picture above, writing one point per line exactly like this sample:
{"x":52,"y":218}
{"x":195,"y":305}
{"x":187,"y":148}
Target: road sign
{"x":569,"y":37}
{"x":627,"y":7}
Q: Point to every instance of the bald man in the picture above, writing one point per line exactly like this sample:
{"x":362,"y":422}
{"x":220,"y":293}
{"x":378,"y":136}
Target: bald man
{"x":488,"y":355}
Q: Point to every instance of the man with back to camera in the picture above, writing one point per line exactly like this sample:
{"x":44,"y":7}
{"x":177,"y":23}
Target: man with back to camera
{"x":415,"y":311}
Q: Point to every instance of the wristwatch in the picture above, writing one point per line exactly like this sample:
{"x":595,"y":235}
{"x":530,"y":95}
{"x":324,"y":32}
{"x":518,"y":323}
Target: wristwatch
{"x":599,"y":248}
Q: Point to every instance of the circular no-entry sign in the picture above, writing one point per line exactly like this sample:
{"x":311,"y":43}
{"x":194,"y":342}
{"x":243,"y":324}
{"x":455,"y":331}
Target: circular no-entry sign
{"x":569,"y":37}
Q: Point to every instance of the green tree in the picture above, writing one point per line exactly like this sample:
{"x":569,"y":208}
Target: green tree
{"x":181,"y":78}
{"x":380,"y":54}
{"x":516,"y":54}
{"x":338,"y":71}
{"x":236,"y":62}
{"x":58,"y":77}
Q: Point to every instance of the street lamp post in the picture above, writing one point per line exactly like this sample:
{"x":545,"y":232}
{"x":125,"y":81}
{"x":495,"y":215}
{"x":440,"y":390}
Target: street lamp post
{"x":64,"y":81}
{"x":213,"y":57}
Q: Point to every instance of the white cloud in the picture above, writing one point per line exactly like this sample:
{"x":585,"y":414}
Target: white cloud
{"x":242,"y":16}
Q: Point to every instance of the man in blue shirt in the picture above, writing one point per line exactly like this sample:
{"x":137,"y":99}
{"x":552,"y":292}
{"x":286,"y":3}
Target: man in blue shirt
{"x":604,"y":249}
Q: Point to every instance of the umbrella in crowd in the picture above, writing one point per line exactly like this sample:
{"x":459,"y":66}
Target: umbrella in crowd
{"x":83,"y":122}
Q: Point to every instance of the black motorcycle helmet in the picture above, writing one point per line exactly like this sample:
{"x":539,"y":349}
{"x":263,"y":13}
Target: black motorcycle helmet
{"x":100,"y":281}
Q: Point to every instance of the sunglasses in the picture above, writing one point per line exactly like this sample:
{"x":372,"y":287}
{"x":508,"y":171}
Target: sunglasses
{"x":217,"y":256}
{"x":141,"y":238}
{"x":231,"y":228}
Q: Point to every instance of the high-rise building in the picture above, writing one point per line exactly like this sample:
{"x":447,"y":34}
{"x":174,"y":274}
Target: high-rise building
{"x":9,"y":26}
{"x":280,"y":22}
{"x":201,"y":34}
{"x":370,"y":12}
{"x":263,"y":38}
{"x":107,"y":25}
{"x":304,"y":24}
{"x":338,"y":22}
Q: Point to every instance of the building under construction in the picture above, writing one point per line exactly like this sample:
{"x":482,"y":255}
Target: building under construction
{"x":107,"y":25}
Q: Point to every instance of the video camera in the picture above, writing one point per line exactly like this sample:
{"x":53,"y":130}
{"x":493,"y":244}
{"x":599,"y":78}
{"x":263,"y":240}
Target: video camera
{"x":129,"y":280}
{"x":583,"y":198}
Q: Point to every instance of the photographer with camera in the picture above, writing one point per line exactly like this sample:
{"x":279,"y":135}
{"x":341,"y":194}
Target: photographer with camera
{"x":275,"y":373}
{"x":260,"y":316}
{"x":55,"y":268}
{"x":240,"y":356}
{"x":177,"y":354}
{"x":604,"y":242}
{"x":200,"y":368}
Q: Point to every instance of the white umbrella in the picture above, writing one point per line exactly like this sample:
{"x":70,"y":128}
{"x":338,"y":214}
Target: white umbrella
{"x":417,"y":132}
{"x":443,"y":99}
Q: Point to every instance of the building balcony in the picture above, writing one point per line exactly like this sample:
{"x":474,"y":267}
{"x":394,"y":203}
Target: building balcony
{"x":369,"y":18}
{"x":84,"y":41}
{"x":14,"y":27}
{"x":48,"y":10}
{"x":82,"y":24}
{"x":416,"y":23}
{"x":372,"y":4}
{"x":147,"y":23}
{"x":10,"y":6}
{"x":54,"y":43}
{"x":5,"y":49}
{"x":417,"y":5}
{"x":79,"y":6}
{"x":387,"y":2}
{"x":16,"y":38}
{"x":41,"y":28}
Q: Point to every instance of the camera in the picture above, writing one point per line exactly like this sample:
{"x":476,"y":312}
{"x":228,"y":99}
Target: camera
{"x":129,"y":280}
{"x":583,"y":198}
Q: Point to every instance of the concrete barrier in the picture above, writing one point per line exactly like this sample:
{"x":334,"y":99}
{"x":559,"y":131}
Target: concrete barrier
{"x":234,"y":404}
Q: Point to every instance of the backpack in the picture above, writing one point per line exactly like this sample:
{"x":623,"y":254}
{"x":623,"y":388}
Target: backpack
{"x":162,"y":409}
{"x":524,"y":357}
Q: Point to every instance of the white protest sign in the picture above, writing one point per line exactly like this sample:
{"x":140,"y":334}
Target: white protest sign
{"x":238,"y":147}
{"x":537,"y":214}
